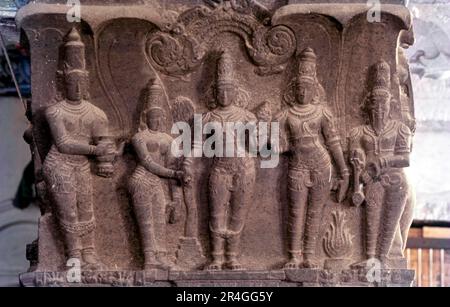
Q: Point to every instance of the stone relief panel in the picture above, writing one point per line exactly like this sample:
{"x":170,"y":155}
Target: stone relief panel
{"x":125,"y":204}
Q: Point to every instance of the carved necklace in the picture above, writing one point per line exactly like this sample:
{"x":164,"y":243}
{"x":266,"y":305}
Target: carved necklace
{"x":304,"y":112}
{"x":224,"y":114}
{"x":80,"y":108}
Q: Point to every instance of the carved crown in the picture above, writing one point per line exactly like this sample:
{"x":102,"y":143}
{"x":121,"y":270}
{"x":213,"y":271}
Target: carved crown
{"x":74,"y":50}
{"x":154,"y":94}
{"x":307,"y":65}
{"x":225,"y":69}
{"x":381,"y":76}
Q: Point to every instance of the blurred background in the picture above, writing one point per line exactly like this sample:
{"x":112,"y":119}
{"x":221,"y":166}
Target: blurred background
{"x":18,"y":227}
{"x":429,"y":243}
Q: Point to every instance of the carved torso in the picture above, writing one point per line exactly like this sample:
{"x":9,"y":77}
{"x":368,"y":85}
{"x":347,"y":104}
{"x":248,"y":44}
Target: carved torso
{"x":394,"y":139}
{"x":77,"y":124}
{"x":158,"y":146}
{"x":234,"y":115}
{"x":304,"y":130}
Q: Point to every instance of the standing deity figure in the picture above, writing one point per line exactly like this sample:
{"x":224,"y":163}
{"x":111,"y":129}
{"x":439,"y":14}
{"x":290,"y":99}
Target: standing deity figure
{"x":231,"y":179}
{"x":153,"y":149}
{"x":78,"y":130}
{"x":309,"y":136}
{"x":379,"y":151}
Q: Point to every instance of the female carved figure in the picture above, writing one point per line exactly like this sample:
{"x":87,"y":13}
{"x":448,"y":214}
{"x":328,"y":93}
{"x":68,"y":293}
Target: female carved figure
{"x":78,"y":130}
{"x":379,"y":152}
{"x":152,"y":147}
{"x":309,"y":135}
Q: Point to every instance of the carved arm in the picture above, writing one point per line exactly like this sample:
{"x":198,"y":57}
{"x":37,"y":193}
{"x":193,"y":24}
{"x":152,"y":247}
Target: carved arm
{"x":146,"y":160}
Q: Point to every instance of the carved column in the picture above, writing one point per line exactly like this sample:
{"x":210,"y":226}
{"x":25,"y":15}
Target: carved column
{"x":328,"y":115}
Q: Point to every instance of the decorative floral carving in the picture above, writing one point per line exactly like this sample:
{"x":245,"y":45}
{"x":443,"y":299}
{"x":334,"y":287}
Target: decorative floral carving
{"x":181,"y":48}
{"x":338,"y":240}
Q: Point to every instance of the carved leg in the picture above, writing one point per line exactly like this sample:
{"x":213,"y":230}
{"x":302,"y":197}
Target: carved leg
{"x":61,"y":183}
{"x":318,"y":197}
{"x":66,"y":213}
{"x":241,"y":202}
{"x":298,"y":196}
{"x":160,"y":227}
{"x":219,"y":197}
{"x":395,"y":201}
{"x":142,"y":194}
{"x":86,"y":220}
{"x":374,"y":200}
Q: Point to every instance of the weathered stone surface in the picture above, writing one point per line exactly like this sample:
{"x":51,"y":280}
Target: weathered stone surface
{"x":288,"y":278}
{"x":116,"y":196}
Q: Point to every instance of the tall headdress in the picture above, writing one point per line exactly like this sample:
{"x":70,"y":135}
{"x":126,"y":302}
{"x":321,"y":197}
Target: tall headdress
{"x":225,"y":70}
{"x":153,"y":99}
{"x":307,"y":66}
{"x":380,"y":80}
{"x":381,"y":76}
{"x":74,"y":53}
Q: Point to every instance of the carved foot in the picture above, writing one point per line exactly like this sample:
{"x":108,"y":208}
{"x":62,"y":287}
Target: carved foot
{"x":292,"y":264}
{"x":216,"y":265}
{"x":235,"y":265}
{"x":91,"y":263}
{"x":157,"y":261}
{"x":310,"y":264}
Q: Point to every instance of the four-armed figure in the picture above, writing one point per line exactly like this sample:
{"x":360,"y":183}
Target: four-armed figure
{"x":380,"y":151}
{"x":303,"y":128}
{"x":232,"y":179}
{"x":152,"y":147}
{"x":78,"y":130}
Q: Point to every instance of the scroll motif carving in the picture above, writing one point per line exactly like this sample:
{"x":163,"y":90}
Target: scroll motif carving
{"x":181,"y":49}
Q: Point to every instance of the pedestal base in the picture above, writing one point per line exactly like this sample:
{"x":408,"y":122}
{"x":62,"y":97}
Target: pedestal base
{"x":190,"y":254}
{"x":286,"y":278}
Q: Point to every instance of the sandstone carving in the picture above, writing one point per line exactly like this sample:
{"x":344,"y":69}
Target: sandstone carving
{"x":231,"y":180}
{"x":78,"y":130}
{"x":152,"y":146}
{"x":380,"y":150}
{"x":309,"y":176}
{"x":220,"y":143}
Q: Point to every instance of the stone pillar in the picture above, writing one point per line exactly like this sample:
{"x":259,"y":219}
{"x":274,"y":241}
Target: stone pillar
{"x":334,"y":209}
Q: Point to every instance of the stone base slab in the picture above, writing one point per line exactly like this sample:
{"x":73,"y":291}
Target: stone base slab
{"x":281,"y":278}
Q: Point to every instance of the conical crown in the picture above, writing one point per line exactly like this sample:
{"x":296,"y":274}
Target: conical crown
{"x":381,"y":76}
{"x":225,"y":69}
{"x":74,"y":52}
{"x":307,"y":65}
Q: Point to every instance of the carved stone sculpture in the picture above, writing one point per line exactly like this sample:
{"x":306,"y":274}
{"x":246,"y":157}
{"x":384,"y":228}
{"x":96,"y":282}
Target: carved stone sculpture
{"x":231,"y":180}
{"x":152,"y":148}
{"x":78,"y":130}
{"x":380,"y":150}
{"x":117,"y":189}
{"x":303,"y":125}
{"x":338,"y":242}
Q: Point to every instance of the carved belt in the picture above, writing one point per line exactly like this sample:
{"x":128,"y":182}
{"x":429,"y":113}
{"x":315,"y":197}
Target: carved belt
{"x":80,"y":228}
{"x":226,"y":234}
